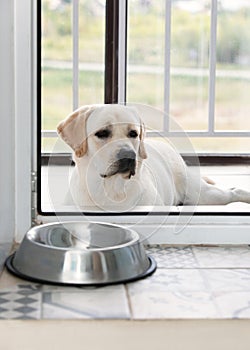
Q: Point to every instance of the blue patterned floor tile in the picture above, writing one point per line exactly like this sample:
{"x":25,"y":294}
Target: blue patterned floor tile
{"x":22,"y":302}
{"x":172,"y":257}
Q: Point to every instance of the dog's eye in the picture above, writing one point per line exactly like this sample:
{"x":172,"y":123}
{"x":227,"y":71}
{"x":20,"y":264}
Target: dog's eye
{"x":133,"y":134}
{"x":103,"y":134}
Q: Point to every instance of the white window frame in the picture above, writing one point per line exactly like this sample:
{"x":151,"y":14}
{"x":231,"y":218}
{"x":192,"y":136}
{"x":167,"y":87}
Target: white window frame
{"x":202,"y":229}
{"x":25,"y":111}
{"x":7,"y":137}
{"x":16,"y":117}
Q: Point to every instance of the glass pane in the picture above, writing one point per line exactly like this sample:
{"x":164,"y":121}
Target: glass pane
{"x":189,"y":80}
{"x":57,"y":46}
{"x":145,"y":78}
{"x":54,"y":145}
{"x":56,"y":96}
{"x":189,"y":64}
{"x":221,"y":145}
{"x":233,"y":66}
{"x":91,"y":51}
{"x":190,"y":26}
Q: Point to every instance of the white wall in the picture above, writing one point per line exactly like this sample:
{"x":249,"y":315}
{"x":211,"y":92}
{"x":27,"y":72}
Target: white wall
{"x":7,"y":120}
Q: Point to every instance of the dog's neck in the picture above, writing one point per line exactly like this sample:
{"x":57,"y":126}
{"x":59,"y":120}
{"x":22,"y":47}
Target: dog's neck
{"x":116,"y":192}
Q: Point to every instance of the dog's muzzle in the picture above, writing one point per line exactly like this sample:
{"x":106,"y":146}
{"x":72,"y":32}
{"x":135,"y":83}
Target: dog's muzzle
{"x":126,"y":161}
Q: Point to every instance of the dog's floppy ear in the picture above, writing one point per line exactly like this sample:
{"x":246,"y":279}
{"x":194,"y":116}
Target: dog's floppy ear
{"x":142,"y":151}
{"x":73,"y":129}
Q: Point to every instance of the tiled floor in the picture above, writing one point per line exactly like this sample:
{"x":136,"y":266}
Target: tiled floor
{"x":190,"y":282}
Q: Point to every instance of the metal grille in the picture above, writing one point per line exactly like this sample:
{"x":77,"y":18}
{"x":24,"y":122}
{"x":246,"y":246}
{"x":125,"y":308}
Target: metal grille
{"x":121,"y":74}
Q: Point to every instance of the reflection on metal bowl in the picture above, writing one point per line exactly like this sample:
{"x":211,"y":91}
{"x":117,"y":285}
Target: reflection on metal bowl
{"x":81,"y":253}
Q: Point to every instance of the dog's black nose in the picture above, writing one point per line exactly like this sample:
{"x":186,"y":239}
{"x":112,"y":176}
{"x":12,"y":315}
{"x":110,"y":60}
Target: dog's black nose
{"x":126,"y":160}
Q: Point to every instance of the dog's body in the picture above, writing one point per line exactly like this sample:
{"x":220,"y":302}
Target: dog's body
{"x":116,"y":169}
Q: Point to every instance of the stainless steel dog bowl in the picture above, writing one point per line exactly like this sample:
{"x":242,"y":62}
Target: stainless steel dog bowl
{"x":81,"y":253}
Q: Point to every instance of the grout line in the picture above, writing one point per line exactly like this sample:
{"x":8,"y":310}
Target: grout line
{"x":195,"y":257}
{"x":129,"y":302}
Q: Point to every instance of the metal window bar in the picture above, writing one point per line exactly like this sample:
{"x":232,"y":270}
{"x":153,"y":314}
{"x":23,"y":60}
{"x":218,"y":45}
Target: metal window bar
{"x":75,"y":34}
{"x":212,"y":67}
{"x":118,"y":93}
{"x":168,"y":6}
{"x":111,"y":51}
{"x":122,"y":52}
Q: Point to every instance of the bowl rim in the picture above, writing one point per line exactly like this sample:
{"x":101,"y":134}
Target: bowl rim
{"x":135,"y":236}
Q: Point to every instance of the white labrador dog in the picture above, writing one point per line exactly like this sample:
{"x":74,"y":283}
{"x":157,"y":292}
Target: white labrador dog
{"x":116,"y":168}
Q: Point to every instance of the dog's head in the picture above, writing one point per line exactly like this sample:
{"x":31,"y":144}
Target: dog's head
{"x":111,"y":135}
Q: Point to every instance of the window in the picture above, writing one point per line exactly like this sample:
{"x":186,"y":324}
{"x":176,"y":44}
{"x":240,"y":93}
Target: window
{"x":194,"y":64}
{"x":184,"y":58}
